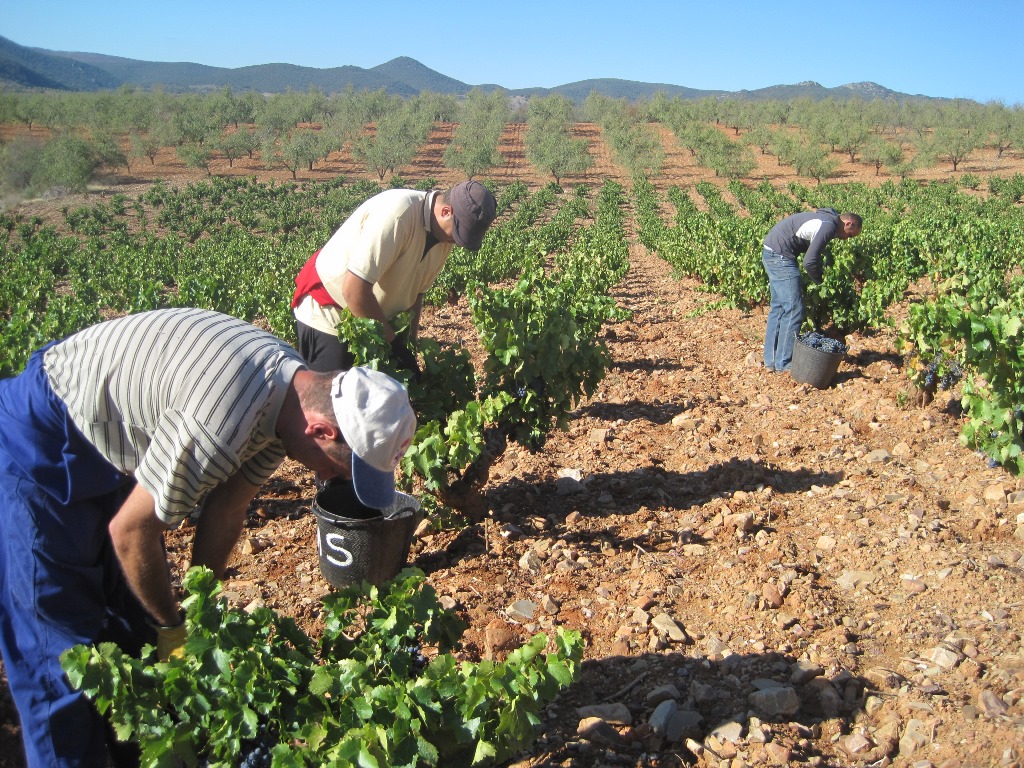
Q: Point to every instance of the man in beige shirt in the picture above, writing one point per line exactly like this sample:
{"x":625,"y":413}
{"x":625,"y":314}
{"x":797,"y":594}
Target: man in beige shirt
{"x":380,"y":262}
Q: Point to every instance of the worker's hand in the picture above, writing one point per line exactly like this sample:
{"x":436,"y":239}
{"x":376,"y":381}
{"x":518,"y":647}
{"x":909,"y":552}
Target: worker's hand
{"x":170,"y":641}
{"x":404,"y":357}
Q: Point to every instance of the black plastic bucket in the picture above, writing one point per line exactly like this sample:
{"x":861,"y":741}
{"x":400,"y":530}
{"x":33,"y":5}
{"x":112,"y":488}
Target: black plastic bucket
{"x":814,"y":366}
{"x":356,"y":543}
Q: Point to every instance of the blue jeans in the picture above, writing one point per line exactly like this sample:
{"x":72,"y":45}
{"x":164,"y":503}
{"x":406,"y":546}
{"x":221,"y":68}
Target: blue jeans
{"x":60,"y":581}
{"x":786,"y":313}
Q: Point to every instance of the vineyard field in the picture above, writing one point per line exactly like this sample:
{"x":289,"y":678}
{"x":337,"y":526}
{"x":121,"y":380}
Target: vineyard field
{"x":706,"y":525}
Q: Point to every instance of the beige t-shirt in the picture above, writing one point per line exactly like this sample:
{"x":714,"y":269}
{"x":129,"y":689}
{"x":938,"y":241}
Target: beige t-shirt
{"x":381,"y":242}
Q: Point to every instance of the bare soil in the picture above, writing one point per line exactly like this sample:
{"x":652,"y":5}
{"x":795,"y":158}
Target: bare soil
{"x":826,"y":540}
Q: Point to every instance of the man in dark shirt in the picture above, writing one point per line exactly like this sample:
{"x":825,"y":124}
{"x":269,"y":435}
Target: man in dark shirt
{"x":804,"y":233}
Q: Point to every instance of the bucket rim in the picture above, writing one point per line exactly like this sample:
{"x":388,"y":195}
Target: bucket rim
{"x":403,"y":506}
{"x":809,"y":348}
{"x":335,"y":517}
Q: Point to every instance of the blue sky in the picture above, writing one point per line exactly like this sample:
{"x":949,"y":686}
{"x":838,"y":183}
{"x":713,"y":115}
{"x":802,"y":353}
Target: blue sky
{"x":968,"y":49}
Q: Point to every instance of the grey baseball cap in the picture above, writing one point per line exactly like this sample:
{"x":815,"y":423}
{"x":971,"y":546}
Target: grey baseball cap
{"x":474,"y":209}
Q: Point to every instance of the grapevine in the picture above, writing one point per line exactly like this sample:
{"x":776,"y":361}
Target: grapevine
{"x":252,"y":689}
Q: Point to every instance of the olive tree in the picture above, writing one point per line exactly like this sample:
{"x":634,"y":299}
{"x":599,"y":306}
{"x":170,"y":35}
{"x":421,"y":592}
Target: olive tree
{"x":230,"y":109}
{"x":442,"y":107}
{"x":196,"y":155}
{"x":851,"y":130}
{"x":474,"y":146}
{"x":729,"y":159}
{"x":280,"y":112}
{"x":638,"y":149}
{"x":235,"y":144}
{"x":399,"y":134}
{"x":1003,"y":126}
{"x":632,"y":140}
{"x":67,"y":162}
{"x":550,"y":145}
{"x":20,"y":160}
{"x":814,"y":161}
{"x":300,"y":149}
{"x":950,"y":144}
{"x":760,"y":136}
{"x":196,"y":120}
{"x":697,"y":137}
{"x":878,"y":151}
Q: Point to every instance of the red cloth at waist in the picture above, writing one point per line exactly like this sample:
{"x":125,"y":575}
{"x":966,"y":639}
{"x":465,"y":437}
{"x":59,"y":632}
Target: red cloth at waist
{"x":307,"y":283}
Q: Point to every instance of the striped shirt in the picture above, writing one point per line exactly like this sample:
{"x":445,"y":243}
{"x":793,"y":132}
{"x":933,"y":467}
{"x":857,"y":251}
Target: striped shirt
{"x":180,"y":398}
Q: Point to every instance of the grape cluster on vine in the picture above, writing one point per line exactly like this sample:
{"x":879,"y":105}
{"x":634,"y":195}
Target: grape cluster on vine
{"x":951,"y":376}
{"x":941,"y":372}
{"x":536,"y":384}
{"x":253,"y":753}
{"x":257,"y":756}
{"x":417,"y":661}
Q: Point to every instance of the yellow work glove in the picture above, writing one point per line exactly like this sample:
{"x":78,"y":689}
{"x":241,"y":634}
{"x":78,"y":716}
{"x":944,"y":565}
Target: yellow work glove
{"x":170,"y":641}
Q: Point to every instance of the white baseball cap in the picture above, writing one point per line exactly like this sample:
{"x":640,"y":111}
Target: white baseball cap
{"x":378,"y":424}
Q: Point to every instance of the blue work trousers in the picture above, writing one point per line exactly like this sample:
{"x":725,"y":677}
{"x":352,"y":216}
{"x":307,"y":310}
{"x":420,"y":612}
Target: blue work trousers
{"x":786,"y":313}
{"x":60,"y":581}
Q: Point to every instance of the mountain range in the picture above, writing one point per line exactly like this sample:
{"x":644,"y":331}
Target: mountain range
{"x":31,"y":68}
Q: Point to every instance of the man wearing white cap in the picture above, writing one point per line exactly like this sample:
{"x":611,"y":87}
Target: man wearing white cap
{"x":380,"y":262}
{"x":118,"y":433}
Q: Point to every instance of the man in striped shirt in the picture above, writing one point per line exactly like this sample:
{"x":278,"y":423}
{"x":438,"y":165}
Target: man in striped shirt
{"x":119,"y":432}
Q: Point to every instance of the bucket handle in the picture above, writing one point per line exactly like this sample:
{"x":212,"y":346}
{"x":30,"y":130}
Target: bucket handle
{"x":401,"y":512}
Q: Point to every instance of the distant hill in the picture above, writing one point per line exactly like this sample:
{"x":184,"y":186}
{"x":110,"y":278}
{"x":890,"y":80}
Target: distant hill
{"x":22,"y":67}
{"x":816,"y":91}
{"x":411,"y":74}
{"x":619,"y":89}
{"x":265,"y":78}
{"x":28,"y":68}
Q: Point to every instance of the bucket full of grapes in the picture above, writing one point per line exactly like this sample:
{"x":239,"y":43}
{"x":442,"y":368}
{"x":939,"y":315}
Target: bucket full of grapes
{"x":816,"y":359}
{"x":356,"y":543}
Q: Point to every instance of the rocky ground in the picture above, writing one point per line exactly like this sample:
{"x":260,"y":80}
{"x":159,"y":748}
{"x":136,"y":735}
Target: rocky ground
{"x":765,"y":573}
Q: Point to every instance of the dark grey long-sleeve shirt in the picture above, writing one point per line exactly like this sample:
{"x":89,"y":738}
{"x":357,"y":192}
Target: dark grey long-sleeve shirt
{"x":807,"y":233}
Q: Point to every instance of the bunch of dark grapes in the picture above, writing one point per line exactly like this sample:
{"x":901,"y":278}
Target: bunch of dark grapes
{"x":945,"y":373}
{"x":255,"y":753}
{"x":417,"y":661}
{"x":952,"y":375}
{"x":822,"y":343}
{"x":257,"y":756}
{"x":538,"y":385}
